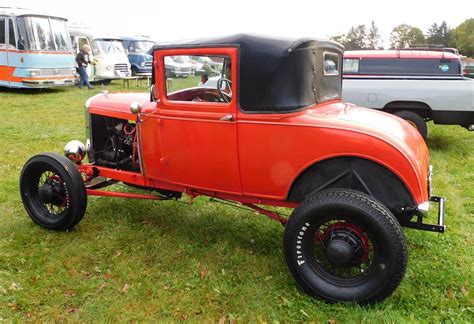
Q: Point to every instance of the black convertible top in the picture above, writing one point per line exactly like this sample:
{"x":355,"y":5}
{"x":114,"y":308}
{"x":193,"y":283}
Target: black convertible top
{"x":277,"y":75}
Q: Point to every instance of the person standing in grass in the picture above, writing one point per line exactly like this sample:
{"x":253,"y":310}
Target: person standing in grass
{"x":83,"y":60}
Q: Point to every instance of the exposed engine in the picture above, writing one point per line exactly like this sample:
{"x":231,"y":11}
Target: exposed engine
{"x":114,"y":143}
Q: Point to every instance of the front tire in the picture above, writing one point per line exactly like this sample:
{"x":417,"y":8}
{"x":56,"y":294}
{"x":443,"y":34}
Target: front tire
{"x":53,"y":191}
{"x":342,"y":245}
{"x":105,"y":81}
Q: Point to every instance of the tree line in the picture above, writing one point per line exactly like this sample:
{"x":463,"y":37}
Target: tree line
{"x":403,"y":36}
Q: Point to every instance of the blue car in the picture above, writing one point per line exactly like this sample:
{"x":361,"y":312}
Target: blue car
{"x":137,"y":48}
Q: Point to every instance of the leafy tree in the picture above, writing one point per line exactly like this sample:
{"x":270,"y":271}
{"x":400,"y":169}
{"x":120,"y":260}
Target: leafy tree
{"x":464,"y":37}
{"x":341,"y":38}
{"x":405,"y":35}
{"x":441,"y":34}
{"x":356,"y":38}
{"x":374,"y":40}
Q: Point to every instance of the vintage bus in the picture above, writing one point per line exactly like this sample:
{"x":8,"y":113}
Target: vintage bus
{"x":108,"y":54}
{"x":35,"y":50}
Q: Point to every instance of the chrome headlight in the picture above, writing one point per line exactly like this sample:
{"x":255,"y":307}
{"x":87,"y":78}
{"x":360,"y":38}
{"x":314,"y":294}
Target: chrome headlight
{"x":34,"y":74}
{"x":75,"y":151}
{"x":142,"y":64}
{"x":108,"y":67}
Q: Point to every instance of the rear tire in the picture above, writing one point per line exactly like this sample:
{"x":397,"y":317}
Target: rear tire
{"x":53,"y":191}
{"x":416,"y":120}
{"x":342,"y":245}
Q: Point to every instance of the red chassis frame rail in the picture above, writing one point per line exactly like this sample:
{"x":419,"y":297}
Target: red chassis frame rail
{"x":90,"y":171}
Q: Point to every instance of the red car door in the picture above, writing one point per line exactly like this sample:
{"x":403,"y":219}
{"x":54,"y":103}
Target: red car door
{"x":197,"y":127}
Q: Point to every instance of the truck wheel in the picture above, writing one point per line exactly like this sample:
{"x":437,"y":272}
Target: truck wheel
{"x":105,"y":81}
{"x":342,"y":245}
{"x":416,"y":120}
{"x":53,"y":191}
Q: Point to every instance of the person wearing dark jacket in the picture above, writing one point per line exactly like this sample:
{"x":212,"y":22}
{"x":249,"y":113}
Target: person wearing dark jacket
{"x":83,"y":60}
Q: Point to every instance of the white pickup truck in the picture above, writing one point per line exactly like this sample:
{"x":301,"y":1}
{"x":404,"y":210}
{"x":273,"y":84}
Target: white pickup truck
{"x":417,"y":85}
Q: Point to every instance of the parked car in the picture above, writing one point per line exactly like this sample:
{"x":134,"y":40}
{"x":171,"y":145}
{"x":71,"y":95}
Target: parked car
{"x":177,"y":69}
{"x":417,"y":85}
{"x":204,"y":59}
{"x":136,"y":48}
{"x":468,"y":69}
{"x":107,"y":51}
{"x":278,"y":134}
{"x":196,"y":66}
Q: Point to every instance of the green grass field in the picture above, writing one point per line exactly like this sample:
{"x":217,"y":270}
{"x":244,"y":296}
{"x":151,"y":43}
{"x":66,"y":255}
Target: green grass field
{"x":142,"y":260}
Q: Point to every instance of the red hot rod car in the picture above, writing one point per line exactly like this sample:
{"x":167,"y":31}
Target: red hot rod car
{"x":272,"y":131}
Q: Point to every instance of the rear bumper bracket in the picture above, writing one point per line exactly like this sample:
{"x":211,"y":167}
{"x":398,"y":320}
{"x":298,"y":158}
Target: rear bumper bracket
{"x":440,"y":227}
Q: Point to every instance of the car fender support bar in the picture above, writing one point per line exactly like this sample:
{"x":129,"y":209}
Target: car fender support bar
{"x":93,"y":192}
{"x":268,"y":213}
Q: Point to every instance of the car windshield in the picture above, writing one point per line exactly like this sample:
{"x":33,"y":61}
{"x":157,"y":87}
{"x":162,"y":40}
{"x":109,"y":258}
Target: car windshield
{"x":43,"y":34}
{"x":107,"y":46}
{"x":140,"y":46}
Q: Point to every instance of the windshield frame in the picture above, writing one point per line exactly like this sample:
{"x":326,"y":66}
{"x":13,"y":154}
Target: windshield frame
{"x":140,"y":49}
{"x":98,"y":46}
{"x":55,"y":34}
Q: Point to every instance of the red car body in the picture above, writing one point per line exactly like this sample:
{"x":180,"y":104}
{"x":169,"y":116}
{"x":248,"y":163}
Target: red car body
{"x":190,"y":149}
{"x":274,"y":131}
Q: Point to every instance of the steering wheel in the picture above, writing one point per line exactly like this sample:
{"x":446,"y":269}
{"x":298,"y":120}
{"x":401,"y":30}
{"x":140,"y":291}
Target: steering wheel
{"x":211,"y":95}
{"x":225,"y":96}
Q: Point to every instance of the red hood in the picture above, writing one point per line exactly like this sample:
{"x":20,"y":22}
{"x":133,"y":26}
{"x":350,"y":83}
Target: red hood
{"x":118,"y":104}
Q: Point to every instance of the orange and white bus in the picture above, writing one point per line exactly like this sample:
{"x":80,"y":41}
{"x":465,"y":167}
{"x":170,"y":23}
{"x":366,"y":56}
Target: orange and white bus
{"x":35,"y":50}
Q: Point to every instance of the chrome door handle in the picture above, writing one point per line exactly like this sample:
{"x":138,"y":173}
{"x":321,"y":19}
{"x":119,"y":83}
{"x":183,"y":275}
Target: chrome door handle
{"x":229,"y":117}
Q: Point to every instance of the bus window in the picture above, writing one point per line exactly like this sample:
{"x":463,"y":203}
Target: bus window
{"x":43,"y":34}
{"x":61,"y":40}
{"x":82,"y":41}
{"x":2,"y":32}
{"x":11,"y":34}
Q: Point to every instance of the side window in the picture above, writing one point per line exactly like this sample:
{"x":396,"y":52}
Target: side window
{"x":2,"y":33}
{"x":198,"y":78}
{"x":350,"y":66}
{"x":81,"y":42}
{"x":405,"y":66}
{"x":331,"y":64}
{"x":11,"y":34}
{"x":73,"y":42}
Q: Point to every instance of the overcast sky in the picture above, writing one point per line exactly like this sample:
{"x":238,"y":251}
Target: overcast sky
{"x":182,"y":19}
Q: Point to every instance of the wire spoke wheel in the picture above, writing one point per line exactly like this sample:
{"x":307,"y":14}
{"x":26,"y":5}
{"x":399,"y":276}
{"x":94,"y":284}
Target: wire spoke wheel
{"x":50,"y":192}
{"x":341,"y":249}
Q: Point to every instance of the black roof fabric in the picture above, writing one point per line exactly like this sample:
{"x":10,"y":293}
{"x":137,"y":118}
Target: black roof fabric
{"x":276,"y":75}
